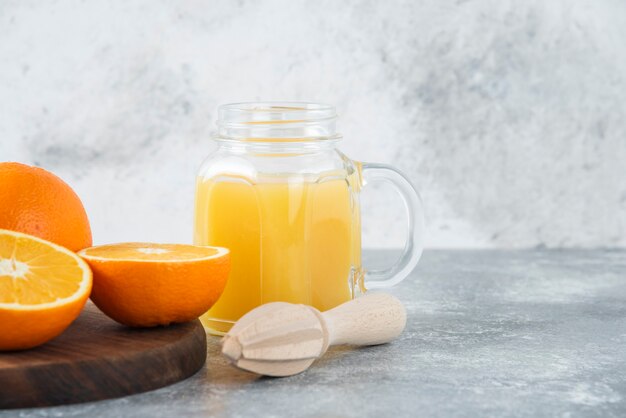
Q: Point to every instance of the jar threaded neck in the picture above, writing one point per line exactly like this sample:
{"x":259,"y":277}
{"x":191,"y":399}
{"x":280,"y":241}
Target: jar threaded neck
{"x":276,"y":122}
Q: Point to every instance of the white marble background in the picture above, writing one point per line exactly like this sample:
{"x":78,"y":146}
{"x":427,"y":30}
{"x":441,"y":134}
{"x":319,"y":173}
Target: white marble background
{"x":510,"y":116}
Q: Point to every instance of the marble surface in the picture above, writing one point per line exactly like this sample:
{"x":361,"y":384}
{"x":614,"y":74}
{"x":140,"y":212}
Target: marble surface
{"x":509,"y":116}
{"x":489,"y":333}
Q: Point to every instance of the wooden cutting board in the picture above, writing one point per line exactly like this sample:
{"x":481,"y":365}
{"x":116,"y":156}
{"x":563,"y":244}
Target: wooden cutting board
{"x":97,"y":358}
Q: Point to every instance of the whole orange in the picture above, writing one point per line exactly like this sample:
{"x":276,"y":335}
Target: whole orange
{"x":36,"y":202}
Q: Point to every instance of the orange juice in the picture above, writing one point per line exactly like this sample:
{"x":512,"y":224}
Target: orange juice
{"x":290,"y":239}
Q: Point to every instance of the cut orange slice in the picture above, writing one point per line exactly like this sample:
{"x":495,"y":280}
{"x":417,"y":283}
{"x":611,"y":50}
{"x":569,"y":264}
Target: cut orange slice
{"x":43,"y":288}
{"x":145,"y":284}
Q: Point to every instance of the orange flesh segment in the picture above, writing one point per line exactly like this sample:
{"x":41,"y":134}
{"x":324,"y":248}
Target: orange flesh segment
{"x":150,"y":252}
{"x":33,"y":272}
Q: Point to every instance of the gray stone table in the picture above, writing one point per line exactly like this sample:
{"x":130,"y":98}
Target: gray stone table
{"x":490,"y":333}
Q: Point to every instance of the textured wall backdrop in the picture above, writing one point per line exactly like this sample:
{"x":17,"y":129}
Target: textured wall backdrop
{"x":509,"y":116}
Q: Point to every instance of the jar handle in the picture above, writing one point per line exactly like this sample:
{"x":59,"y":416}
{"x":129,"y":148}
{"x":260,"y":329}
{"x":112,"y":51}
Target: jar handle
{"x":398,"y":271}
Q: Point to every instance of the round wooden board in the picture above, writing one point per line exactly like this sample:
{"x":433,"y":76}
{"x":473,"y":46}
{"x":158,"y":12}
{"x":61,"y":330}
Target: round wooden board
{"x":96,"y":358}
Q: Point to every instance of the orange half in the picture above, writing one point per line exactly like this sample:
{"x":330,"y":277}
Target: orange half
{"x":147,"y":284}
{"x":43,"y":288}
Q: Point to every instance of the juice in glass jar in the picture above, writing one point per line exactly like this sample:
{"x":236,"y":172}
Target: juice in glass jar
{"x":278,"y":193}
{"x":290,"y":239}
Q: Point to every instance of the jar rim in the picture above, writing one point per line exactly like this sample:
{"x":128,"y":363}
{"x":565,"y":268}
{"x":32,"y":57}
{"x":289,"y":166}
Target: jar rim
{"x":278,"y":120}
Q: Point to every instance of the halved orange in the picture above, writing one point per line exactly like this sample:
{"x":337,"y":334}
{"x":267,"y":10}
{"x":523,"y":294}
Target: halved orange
{"x":145,"y":284}
{"x":43,"y":288}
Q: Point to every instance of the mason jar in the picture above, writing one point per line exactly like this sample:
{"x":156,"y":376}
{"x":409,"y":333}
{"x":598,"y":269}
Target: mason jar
{"x":279,"y":194}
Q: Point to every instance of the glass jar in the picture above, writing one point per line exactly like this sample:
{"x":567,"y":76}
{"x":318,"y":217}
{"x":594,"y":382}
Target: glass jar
{"x":279,"y":194}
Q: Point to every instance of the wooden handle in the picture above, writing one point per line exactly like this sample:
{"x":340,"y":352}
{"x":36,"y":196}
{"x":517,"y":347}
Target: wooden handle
{"x":373,"y":319}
